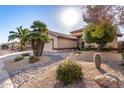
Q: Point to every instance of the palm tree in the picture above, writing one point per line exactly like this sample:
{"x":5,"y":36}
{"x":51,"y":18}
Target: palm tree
{"x":21,"y":34}
{"x":38,"y":37}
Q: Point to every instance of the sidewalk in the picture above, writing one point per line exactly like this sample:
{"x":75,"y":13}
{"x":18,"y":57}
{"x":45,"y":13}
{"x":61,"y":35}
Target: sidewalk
{"x":5,"y":81}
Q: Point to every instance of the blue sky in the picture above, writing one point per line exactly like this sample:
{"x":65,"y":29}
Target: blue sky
{"x":15,"y":16}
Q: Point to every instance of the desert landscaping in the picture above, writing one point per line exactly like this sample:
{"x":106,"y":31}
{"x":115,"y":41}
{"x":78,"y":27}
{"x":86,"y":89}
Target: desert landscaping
{"x":42,"y":74}
{"x":89,"y":56}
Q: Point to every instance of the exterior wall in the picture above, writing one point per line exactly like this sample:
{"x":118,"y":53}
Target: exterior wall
{"x":60,"y":44}
{"x":114,"y":43}
{"x":52,"y":44}
{"x":66,"y":43}
{"x":15,"y":45}
{"x":28,"y":45}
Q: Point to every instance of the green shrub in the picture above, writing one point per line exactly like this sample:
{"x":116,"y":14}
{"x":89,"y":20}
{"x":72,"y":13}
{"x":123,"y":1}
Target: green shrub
{"x":77,"y":52}
{"x":97,"y":59}
{"x":68,"y":72}
{"x":4,"y":46}
{"x":25,"y":54}
{"x":106,"y":49}
{"x":88,"y":48}
{"x":34,"y":59}
{"x":18,"y":58}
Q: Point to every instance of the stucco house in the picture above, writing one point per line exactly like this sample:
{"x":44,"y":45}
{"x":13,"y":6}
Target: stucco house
{"x":64,"y":42}
{"x":60,"y":42}
{"x":78,"y":34}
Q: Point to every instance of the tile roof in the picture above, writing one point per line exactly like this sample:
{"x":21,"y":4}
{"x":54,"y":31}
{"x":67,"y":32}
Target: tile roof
{"x":57,"y":34}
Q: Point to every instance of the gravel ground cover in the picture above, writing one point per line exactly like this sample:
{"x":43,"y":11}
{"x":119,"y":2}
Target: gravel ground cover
{"x":43,"y":74}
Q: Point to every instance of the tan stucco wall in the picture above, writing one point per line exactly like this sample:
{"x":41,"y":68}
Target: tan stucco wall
{"x":48,"y":46}
{"x":66,"y":43}
{"x":114,"y":43}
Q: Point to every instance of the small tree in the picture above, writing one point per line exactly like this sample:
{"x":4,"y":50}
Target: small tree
{"x":38,"y":37}
{"x":100,"y":34}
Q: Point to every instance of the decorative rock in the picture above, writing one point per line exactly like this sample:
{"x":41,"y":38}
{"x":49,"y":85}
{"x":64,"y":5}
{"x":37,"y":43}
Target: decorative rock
{"x":108,"y":80}
{"x":23,"y":75}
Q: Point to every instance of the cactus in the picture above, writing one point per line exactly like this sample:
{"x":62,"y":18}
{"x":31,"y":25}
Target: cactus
{"x":97,"y":59}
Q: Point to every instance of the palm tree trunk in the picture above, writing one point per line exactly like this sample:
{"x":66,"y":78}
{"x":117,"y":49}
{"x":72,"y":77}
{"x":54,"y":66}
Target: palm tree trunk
{"x":39,"y":49}
{"x":41,"y":46}
{"x":22,"y":45}
{"x":33,"y":46}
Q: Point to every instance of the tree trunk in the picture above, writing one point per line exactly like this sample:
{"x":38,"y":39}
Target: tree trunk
{"x":34,"y":46}
{"x":40,"y":46}
{"x":99,"y":47}
{"x":37,"y":47}
{"x":22,"y":45}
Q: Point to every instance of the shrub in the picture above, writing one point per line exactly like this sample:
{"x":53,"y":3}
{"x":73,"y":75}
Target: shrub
{"x":4,"y":46}
{"x":77,"y":52}
{"x":97,"y":59}
{"x":106,"y":49}
{"x":18,"y":58}
{"x":34,"y":59}
{"x":25,"y":54}
{"x":68,"y":72}
{"x":89,"y":47}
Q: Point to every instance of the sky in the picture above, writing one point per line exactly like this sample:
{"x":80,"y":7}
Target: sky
{"x":15,"y":16}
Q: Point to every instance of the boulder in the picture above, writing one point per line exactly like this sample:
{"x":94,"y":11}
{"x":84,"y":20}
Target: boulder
{"x":108,"y":81}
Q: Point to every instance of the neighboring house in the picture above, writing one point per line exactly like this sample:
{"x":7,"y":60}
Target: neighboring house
{"x":80,"y":42}
{"x":13,"y":45}
{"x":64,"y":42}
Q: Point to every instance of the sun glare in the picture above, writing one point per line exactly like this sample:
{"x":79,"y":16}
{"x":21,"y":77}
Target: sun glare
{"x":70,"y":17}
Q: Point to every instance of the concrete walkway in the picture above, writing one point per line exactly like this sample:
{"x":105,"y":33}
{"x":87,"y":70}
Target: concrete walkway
{"x":11,"y":54}
{"x":5,"y":81}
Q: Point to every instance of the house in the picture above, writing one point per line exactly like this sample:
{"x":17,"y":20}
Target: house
{"x":60,"y":42}
{"x":64,"y":42}
{"x":79,"y":32}
{"x":12,"y":45}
